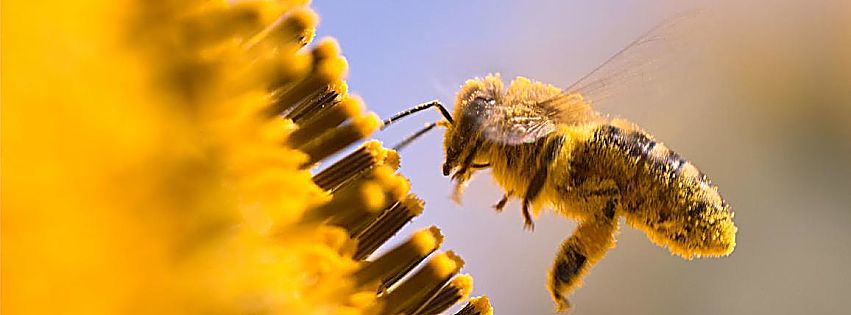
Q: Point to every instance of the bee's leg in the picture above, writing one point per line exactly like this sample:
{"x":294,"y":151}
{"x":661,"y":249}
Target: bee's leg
{"x":532,"y":192}
{"x":479,"y":166}
{"x":500,"y":205}
{"x":551,"y":151}
{"x":465,"y":172}
{"x":588,"y":243}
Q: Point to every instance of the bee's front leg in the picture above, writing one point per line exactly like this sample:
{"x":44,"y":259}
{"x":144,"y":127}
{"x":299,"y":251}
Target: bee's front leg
{"x":551,"y":151}
{"x":532,"y":192}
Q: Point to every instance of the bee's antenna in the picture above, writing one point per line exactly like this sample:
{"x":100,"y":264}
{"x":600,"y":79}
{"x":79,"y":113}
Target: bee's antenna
{"x":417,"y":108}
{"x":414,"y":136}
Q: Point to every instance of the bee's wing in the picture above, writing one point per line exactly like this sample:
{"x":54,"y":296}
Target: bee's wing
{"x":515,"y":124}
{"x":660,"y":47}
{"x":525,"y":122}
{"x":524,"y":119}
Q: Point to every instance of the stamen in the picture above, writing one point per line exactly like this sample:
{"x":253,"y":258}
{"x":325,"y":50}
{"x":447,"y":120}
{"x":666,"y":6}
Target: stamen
{"x":205,"y":28}
{"x":327,"y":48}
{"x":422,"y":285}
{"x":296,"y":27}
{"x":367,"y":156}
{"x":394,"y":264}
{"x":477,"y":306}
{"x":313,"y":126}
{"x":287,"y":64}
{"x":355,"y":201}
{"x":394,"y":186}
{"x":339,"y":138}
{"x":356,"y":206}
{"x":336,"y":239}
{"x":325,"y":71}
{"x":387,"y":225}
{"x":316,"y":104}
{"x":457,"y":290}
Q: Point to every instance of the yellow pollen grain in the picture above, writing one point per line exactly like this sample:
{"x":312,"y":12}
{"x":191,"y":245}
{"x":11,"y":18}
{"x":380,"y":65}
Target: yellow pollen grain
{"x":375,"y":150}
{"x":392,"y":159}
{"x":464,"y":283}
{"x":477,"y":306}
{"x":414,"y":205}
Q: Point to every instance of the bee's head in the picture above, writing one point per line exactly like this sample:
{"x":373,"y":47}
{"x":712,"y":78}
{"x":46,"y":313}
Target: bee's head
{"x":462,"y":132}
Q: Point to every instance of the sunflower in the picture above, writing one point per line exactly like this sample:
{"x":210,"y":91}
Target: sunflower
{"x":164,"y":157}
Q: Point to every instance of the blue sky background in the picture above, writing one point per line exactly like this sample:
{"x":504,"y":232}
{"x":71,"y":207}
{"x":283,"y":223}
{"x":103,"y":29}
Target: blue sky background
{"x":793,"y":239}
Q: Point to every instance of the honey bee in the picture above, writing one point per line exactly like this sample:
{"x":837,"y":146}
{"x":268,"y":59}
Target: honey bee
{"x":549,"y":148}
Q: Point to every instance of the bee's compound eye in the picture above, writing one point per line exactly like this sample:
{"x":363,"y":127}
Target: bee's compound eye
{"x":446,"y":169}
{"x":484,"y":100}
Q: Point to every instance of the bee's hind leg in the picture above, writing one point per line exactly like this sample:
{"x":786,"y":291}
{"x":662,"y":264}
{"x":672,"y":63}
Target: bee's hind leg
{"x":588,"y":243}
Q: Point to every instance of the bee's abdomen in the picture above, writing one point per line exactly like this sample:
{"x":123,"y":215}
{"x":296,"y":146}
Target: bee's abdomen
{"x":643,"y":155}
{"x":659,"y":191}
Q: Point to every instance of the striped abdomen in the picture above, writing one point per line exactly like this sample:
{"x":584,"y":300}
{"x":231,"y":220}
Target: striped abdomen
{"x":660,"y":192}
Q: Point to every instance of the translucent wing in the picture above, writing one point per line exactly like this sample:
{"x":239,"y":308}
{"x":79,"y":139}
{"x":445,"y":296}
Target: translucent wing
{"x":532,"y":110}
{"x":641,"y":59}
{"x":525,"y":118}
{"x":517,"y":124}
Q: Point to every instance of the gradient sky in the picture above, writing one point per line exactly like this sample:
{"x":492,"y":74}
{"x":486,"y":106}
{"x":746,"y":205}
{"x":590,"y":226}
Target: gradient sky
{"x":792,"y":239}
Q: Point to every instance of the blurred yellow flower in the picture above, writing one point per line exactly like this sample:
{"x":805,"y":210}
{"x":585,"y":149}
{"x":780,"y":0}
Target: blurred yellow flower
{"x":156,"y":156}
